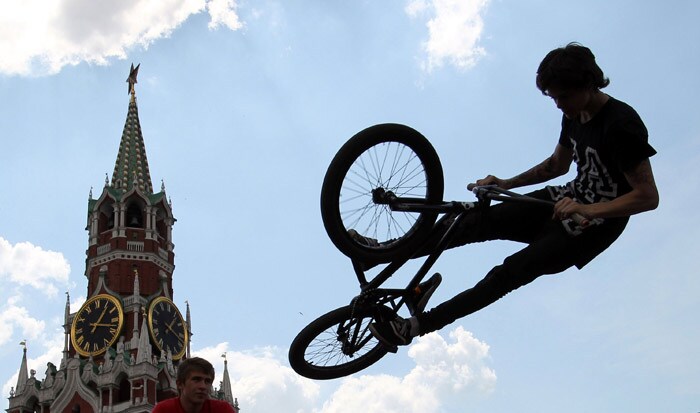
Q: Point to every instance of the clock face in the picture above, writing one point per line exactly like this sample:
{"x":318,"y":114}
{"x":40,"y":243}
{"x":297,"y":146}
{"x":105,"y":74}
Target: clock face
{"x":168,"y":329}
{"x":97,"y":324}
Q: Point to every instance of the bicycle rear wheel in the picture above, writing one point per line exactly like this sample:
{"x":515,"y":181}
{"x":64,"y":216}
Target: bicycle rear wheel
{"x":388,"y":158}
{"x":336,"y":344}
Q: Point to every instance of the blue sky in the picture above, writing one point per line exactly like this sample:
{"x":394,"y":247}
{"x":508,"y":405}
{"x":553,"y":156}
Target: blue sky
{"x":244,"y":103}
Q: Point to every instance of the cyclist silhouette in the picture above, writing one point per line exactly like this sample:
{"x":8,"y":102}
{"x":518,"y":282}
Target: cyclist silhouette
{"x":607,"y":140}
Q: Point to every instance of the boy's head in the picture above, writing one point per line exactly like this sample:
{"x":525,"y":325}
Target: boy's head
{"x":572,"y":67}
{"x":193,"y":364}
{"x":194,"y":378}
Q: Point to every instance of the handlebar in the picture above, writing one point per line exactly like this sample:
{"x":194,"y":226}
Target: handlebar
{"x":497,"y":193}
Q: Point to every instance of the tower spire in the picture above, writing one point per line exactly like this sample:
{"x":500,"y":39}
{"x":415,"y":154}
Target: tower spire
{"x":226,"y":382}
{"x":66,"y":329}
{"x":23,"y":376}
{"x":131,"y":167}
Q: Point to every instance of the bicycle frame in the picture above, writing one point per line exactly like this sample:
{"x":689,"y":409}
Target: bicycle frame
{"x":396,"y":297}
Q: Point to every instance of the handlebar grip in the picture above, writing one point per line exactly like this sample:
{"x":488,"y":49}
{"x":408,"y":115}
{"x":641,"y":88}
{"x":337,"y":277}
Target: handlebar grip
{"x":580,"y":219}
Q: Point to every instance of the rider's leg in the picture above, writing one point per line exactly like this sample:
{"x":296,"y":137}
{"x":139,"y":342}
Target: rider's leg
{"x":540,"y":257}
{"x":552,"y":252}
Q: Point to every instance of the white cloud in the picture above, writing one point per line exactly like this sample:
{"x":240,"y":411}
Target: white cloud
{"x":11,"y":316}
{"x":261,"y":381}
{"x":223,"y":13}
{"x":454,"y":367}
{"x":443,"y":372}
{"x":454,"y":31}
{"x":28,"y":265}
{"x":40,"y":38}
{"x":454,"y":372}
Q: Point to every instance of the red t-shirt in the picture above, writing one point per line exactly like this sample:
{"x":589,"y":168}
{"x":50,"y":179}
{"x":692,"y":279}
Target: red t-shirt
{"x":210,"y":406}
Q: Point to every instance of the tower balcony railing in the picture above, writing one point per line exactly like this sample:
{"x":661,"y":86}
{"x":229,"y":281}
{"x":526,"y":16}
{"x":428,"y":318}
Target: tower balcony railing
{"x":136,"y":246}
{"x":103,"y":249}
{"x":163,"y":253}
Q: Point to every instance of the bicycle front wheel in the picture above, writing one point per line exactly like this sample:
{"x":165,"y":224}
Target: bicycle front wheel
{"x":386,"y":158}
{"x":336,"y":344}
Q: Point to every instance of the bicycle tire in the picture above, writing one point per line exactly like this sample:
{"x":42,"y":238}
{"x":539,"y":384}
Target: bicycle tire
{"x":392,"y":157}
{"x":317,"y":351}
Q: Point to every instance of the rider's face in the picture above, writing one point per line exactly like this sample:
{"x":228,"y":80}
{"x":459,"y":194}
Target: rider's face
{"x":571,"y":101}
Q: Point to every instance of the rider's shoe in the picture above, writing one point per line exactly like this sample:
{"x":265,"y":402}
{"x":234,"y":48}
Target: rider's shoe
{"x":361,"y":239}
{"x":423,"y":292}
{"x":396,"y":332}
{"x":367,"y":242}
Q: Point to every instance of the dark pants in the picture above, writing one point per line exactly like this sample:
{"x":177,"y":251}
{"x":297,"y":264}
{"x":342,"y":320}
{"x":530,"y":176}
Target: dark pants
{"x":550,"y":249}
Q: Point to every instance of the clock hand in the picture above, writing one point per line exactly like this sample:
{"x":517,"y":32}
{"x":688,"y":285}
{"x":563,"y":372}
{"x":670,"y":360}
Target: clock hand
{"x":99,"y":319}
{"x":169,"y":327}
{"x":101,"y":325}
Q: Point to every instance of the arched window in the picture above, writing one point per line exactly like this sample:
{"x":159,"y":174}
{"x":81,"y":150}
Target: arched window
{"x":105,"y":217}
{"x":124,"y":393}
{"x":134,"y":216}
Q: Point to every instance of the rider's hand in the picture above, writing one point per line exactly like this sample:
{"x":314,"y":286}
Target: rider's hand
{"x":490,"y":180}
{"x":566,"y":208}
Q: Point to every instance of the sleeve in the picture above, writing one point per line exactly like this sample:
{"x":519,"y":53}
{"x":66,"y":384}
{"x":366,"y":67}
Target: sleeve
{"x":631,"y":143}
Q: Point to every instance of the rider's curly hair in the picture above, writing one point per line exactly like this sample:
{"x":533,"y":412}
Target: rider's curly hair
{"x":570,"y":67}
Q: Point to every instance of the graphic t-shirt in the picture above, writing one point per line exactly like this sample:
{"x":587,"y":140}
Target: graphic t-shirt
{"x":612,"y":142}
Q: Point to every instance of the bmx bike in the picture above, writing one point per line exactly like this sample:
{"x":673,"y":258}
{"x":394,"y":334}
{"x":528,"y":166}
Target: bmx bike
{"x":385,"y":183}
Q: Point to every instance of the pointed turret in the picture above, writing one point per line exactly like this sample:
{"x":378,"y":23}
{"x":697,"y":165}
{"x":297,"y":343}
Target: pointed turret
{"x":144,"y":349}
{"x":226,"y":383}
{"x":23,"y":375}
{"x":188,"y":321}
{"x":66,"y":330}
{"x":131,"y":168}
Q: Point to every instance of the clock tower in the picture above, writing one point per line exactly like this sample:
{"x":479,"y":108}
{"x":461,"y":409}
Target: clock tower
{"x":124,"y":344}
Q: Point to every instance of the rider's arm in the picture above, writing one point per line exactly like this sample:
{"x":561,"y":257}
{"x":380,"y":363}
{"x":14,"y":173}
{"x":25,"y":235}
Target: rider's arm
{"x":556,"y":165}
{"x":643,"y":197}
